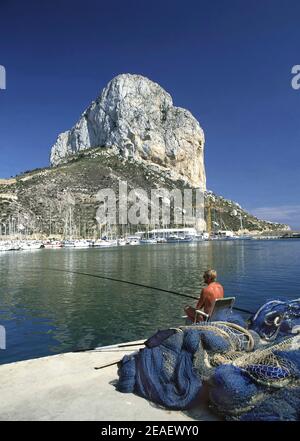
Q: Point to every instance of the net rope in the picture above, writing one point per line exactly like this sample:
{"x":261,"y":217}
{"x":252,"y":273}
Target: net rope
{"x":239,"y":338}
{"x":264,"y":365}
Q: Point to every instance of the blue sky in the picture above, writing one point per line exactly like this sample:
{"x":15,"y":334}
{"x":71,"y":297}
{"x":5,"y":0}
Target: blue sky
{"x":228,"y":62}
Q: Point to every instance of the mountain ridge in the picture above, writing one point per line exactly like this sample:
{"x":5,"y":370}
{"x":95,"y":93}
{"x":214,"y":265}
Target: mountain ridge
{"x":43,"y":200}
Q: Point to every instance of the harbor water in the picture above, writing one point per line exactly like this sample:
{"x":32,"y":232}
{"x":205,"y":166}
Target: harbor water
{"x":45,"y":311}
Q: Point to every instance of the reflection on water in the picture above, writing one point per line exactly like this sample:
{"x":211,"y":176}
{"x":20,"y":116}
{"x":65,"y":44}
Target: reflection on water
{"x":47,"y":312}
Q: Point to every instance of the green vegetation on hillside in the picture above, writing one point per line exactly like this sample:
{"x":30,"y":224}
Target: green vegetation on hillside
{"x":61,"y":201}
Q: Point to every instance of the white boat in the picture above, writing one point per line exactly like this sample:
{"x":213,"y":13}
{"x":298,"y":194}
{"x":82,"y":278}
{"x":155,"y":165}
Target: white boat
{"x":198,"y":238}
{"x":105,"y":243}
{"x":173,"y":235}
{"x":201,"y":237}
{"x":81,"y":244}
{"x":13,"y":246}
{"x":161,"y":240}
{"x":4,"y":247}
{"x":121,"y":242}
{"x":69,"y":244}
{"x":28,"y":246}
{"x":53,"y":244}
{"x":134,"y":242}
{"x":148,"y":241}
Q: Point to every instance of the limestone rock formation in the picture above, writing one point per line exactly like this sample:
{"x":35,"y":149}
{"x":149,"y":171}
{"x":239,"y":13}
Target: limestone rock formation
{"x":137,"y":116}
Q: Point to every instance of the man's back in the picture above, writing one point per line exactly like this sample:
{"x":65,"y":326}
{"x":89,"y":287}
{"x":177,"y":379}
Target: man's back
{"x":209,"y":294}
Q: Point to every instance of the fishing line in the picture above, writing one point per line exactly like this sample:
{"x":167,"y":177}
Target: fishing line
{"x":135,"y":284}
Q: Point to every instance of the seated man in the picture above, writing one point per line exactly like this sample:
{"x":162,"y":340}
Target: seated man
{"x":209,"y":294}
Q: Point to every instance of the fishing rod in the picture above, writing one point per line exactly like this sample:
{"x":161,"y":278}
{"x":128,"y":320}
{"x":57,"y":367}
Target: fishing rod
{"x":111,"y":348}
{"x":136,"y":284}
{"x":120,"y":281}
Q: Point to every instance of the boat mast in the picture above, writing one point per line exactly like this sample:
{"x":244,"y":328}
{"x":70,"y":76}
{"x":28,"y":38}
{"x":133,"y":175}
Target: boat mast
{"x":241,"y":222}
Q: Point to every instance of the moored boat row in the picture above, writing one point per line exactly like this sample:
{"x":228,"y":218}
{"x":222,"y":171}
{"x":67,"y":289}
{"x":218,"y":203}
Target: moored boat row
{"x":20,"y":245}
{"x":157,"y":236}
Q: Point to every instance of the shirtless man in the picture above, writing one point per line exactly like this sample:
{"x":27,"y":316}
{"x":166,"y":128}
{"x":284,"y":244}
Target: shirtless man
{"x":209,"y":294}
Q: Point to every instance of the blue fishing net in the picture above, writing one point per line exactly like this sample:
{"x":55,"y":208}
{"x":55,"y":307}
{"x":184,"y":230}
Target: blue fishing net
{"x":126,"y":372}
{"x":257,"y":385}
{"x":256,"y":339}
{"x":289,"y":325}
{"x":233,"y":317}
{"x":275,"y":316}
{"x":268,"y":373}
{"x":170,"y":383}
{"x":293,"y":358}
{"x":165,"y":374}
{"x":191,"y":340}
{"x":214,"y":342}
{"x":283,"y":405}
{"x":231,"y":389}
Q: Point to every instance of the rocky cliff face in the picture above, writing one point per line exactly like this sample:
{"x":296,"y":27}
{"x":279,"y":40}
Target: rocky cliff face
{"x":61,"y":201}
{"x":137,"y":116}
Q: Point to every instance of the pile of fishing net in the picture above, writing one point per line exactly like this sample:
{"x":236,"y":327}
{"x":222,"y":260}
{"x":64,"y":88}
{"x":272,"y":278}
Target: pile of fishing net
{"x":259,"y":385}
{"x":248,"y":377}
{"x":276,"y":317}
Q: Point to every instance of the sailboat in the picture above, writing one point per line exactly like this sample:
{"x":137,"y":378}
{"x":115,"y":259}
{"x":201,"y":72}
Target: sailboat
{"x":243,"y":236}
{"x":106,"y":241}
{"x":146,"y":239}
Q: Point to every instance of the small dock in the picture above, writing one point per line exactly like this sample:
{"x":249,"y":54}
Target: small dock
{"x":68,"y":387}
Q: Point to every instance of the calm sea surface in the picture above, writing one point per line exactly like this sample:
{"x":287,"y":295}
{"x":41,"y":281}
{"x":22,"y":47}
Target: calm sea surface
{"x":47,"y":312}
